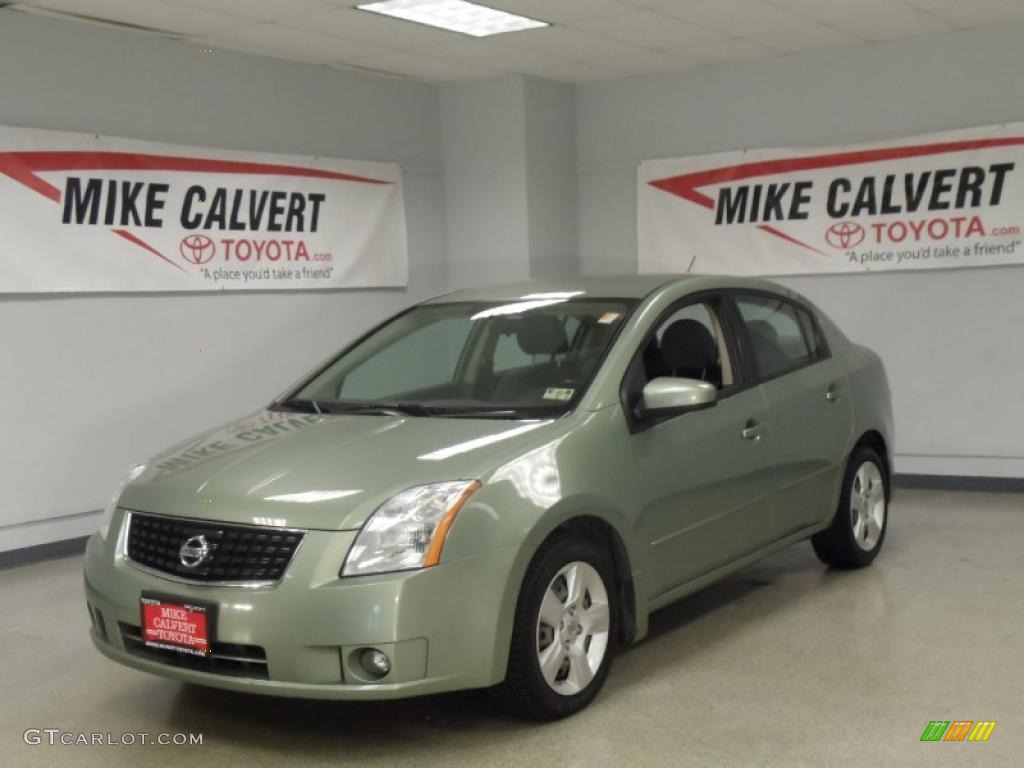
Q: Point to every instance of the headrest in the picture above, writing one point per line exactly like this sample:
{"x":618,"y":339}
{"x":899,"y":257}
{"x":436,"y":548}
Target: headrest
{"x":541,"y":335}
{"x":688,"y":344}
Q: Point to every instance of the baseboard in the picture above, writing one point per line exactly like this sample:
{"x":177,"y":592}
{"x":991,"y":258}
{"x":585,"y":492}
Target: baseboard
{"x":960,"y":483}
{"x":49,"y":551}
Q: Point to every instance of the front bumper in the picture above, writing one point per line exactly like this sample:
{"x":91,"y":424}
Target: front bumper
{"x":444,"y":628}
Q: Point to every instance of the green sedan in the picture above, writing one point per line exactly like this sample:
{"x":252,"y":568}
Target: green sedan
{"x":496,"y":488}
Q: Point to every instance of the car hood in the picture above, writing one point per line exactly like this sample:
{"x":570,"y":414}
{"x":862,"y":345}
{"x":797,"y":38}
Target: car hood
{"x":326,"y":472}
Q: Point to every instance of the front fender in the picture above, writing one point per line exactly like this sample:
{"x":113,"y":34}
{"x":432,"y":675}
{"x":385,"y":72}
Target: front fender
{"x":585,"y":472}
{"x":578,"y":508}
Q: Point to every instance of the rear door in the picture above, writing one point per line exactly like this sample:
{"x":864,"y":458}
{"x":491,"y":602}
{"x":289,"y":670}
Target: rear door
{"x":810,"y":416}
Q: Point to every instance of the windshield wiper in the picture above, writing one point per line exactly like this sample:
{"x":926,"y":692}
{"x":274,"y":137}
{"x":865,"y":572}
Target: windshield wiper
{"x":306,"y":406}
{"x":478,"y":413}
{"x":413,"y":409}
{"x":482,"y":412}
{"x":383,"y":409}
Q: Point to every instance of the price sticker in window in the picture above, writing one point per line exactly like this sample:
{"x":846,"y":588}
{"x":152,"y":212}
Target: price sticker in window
{"x":558,"y":393}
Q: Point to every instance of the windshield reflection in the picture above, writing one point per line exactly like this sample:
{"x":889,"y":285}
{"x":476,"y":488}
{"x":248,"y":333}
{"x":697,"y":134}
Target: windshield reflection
{"x":530,"y":357}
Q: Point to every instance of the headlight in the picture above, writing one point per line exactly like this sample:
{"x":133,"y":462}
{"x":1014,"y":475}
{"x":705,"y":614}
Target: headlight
{"x":408,"y":530}
{"x":108,"y":511}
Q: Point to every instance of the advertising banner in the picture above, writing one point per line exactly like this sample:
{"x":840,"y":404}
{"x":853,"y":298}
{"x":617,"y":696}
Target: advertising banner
{"x":90,"y":213}
{"x":938,"y":201}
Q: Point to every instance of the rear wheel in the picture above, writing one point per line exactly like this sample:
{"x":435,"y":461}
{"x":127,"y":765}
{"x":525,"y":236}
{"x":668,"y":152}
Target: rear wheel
{"x":858,"y":529}
{"x":565,"y":629}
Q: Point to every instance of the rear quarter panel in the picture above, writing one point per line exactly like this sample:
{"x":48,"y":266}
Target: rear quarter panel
{"x":872,"y":400}
{"x":868,"y":385}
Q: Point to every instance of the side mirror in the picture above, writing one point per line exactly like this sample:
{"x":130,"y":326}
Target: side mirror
{"x":670,"y":396}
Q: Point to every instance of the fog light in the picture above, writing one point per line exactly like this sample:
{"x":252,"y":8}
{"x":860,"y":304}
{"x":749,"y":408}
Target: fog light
{"x":375,"y":662}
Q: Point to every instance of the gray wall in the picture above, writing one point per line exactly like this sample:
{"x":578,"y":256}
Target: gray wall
{"x":510,"y":179}
{"x":94,"y":383}
{"x":950,"y":339}
{"x":551,"y":178}
{"x":485,"y":180}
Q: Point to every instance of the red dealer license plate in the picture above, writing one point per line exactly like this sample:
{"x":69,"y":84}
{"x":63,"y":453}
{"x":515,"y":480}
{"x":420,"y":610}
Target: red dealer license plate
{"x":176,"y":624}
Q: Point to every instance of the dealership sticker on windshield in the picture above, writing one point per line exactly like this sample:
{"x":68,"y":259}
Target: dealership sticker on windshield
{"x":558,"y":393}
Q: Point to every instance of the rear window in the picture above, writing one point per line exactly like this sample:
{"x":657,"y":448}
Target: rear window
{"x":783,"y":335}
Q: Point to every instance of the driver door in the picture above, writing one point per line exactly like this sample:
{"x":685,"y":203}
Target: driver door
{"x":706,"y":475}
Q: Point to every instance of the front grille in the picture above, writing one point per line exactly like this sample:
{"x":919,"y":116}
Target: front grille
{"x":230,"y":659}
{"x":236,"y":553}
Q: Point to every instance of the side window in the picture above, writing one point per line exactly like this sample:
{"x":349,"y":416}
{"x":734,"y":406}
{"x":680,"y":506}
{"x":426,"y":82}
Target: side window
{"x":812,"y":333}
{"x":425,"y":358}
{"x":691,"y":344}
{"x":778,"y":333}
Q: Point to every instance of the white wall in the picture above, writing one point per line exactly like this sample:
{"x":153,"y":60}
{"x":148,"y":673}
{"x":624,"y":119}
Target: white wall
{"x":950,"y":339}
{"x":89,"y":384}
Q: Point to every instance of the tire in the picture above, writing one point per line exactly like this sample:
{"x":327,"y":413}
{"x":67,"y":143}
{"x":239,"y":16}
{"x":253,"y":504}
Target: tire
{"x":857,"y":532}
{"x":589,"y":626}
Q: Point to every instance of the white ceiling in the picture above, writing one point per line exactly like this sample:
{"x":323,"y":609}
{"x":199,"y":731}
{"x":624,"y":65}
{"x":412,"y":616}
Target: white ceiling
{"x":588,"y":39}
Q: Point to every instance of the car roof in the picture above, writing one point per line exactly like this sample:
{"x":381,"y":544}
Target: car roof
{"x":600,"y":286}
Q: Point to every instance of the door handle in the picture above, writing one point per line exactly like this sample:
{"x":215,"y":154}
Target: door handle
{"x":753,"y":430}
{"x":835,"y":391}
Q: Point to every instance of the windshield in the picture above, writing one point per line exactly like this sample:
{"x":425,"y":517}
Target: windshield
{"x":528,"y":358}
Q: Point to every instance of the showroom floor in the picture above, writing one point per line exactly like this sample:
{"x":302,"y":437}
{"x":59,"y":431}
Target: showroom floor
{"x":783,"y":664}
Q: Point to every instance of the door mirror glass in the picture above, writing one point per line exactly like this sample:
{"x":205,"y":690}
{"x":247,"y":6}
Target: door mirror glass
{"x":670,"y":395}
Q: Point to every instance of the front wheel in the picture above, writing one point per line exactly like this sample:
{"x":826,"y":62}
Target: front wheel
{"x":565,"y":628}
{"x":858,"y":529}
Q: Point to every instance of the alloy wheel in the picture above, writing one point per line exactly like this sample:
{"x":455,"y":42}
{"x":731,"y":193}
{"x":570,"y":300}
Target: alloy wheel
{"x":572,"y":628}
{"x":867,"y":505}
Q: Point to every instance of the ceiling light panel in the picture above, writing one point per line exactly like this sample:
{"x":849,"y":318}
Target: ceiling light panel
{"x":455,"y":15}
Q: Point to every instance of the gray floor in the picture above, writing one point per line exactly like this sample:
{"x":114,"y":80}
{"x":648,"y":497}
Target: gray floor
{"x":783,"y":664}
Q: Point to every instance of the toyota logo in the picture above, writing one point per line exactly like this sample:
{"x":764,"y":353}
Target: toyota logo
{"x":844,"y":234}
{"x":194,"y":552}
{"x":197,"y":249}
